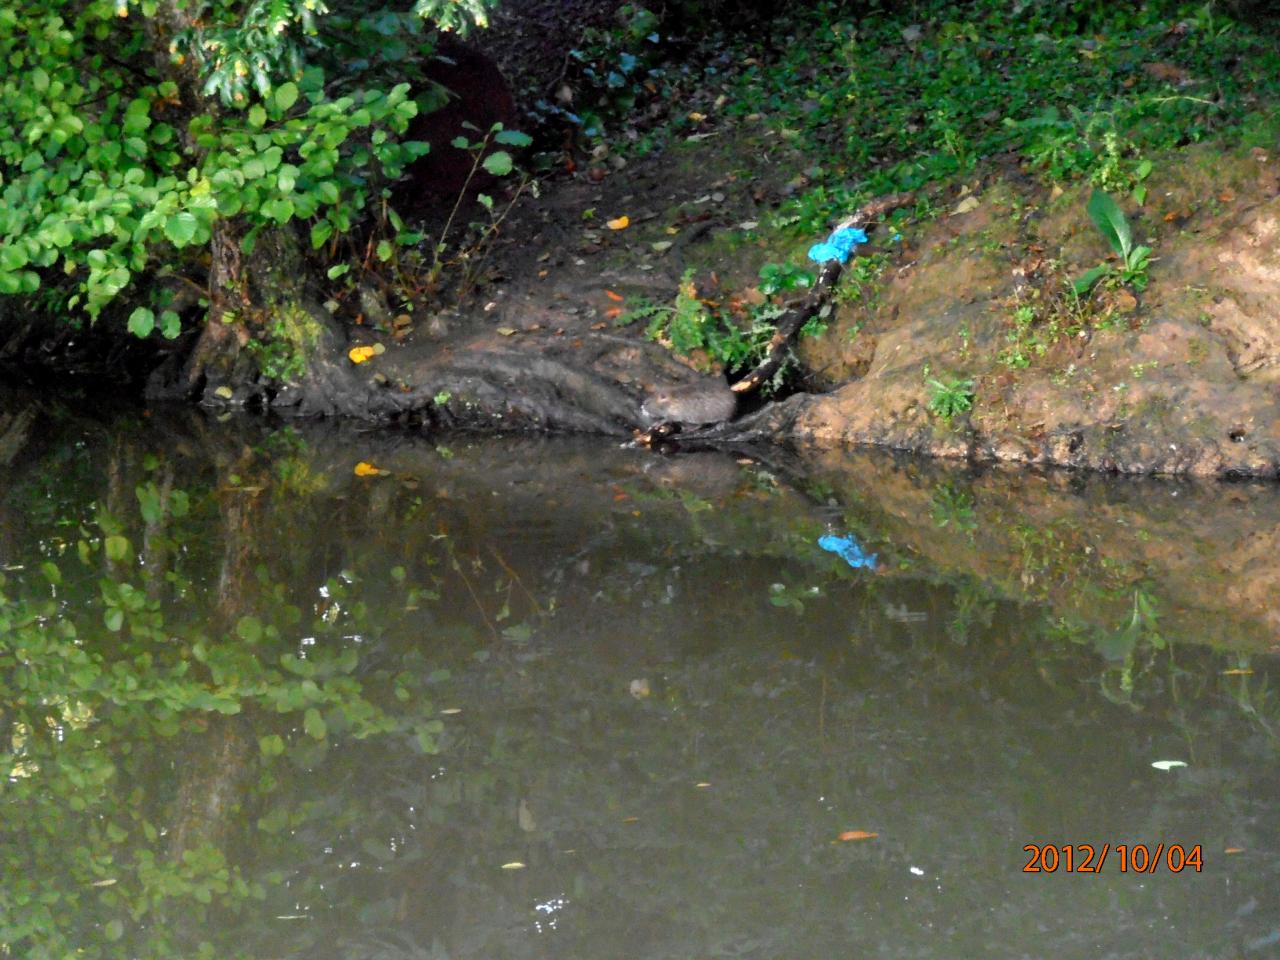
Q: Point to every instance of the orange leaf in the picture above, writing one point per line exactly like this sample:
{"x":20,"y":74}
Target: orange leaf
{"x":858,"y":835}
{"x":367,"y":470}
{"x":615,"y":297}
{"x":621,"y":223}
{"x":1234,"y":850}
{"x":613,"y":312}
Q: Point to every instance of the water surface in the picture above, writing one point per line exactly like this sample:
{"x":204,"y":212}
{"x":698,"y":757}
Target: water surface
{"x":322,"y":691}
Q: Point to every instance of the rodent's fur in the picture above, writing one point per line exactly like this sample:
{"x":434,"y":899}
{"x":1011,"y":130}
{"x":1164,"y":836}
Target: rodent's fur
{"x":708,"y":401}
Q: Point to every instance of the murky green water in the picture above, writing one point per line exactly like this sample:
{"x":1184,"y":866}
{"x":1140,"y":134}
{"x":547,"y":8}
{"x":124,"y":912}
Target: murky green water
{"x":509,"y":698}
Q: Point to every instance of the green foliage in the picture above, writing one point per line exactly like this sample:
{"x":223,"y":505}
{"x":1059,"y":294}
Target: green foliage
{"x":1112,"y":224}
{"x":497,"y":163}
{"x":903,"y":97}
{"x":782,"y":277}
{"x":612,"y":72}
{"x":690,"y":327}
{"x":109,"y":161}
{"x":950,"y":398}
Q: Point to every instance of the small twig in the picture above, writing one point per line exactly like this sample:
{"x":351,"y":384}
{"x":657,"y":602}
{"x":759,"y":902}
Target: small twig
{"x":475,"y":165}
{"x":516,"y":578}
{"x":479,"y":606}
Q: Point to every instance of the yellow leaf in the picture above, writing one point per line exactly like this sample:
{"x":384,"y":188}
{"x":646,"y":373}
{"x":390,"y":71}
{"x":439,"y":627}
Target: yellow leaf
{"x":619,"y":224}
{"x":361,"y":354}
{"x":697,"y":117}
{"x":367,"y":470}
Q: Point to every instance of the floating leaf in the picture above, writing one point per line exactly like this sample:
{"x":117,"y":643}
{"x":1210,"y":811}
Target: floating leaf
{"x":363,"y":469}
{"x":361,"y":354}
{"x":615,"y":297}
{"x":1168,"y":764}
{"x":513,"y":865}
{"x":857,"y":835}
{"x":621,"y":223}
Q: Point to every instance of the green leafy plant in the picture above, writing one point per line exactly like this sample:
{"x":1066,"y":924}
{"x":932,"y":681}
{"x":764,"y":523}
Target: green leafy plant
{"x":497,"y":163}
{"x":781,"y":277}
{"x":1134,"y":259}
{"x":950,"y":398}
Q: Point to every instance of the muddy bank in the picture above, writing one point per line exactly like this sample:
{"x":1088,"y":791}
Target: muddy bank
{"x":1180,"y":379}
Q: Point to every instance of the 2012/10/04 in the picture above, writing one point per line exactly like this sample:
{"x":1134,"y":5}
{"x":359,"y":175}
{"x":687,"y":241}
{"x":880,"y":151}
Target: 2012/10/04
{"x":1135,"y":857}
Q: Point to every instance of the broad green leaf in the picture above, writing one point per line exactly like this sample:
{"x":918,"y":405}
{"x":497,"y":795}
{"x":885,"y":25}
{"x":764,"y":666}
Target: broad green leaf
{"x":286,"y":96}
{"x":321,"y":231}
{"x":249,"y":629}
{"x":117,"y":548}
{"x":141,"y":322}
{"x":170,"y":324}
{"x":338,"y":270}
{"x":314,"y":724}
{"x":180,"y":228}
{"x":1109,"y":219}
{"x":1086,"y":282}
{"x":513,"y":138}
{"x":499,"y":163}
{"x":257,"y":116}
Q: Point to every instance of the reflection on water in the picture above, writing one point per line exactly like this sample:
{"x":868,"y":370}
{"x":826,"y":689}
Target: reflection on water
{"x":560,"y":699}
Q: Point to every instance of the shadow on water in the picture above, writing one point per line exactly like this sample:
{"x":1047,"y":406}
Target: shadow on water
{"x":322,"y":692}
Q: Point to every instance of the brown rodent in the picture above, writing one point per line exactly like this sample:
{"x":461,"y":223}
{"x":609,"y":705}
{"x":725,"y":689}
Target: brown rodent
{"x":708,"y":401}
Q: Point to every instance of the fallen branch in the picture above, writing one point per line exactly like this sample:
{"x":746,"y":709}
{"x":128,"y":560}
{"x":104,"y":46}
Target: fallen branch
{"x":800,"y":312}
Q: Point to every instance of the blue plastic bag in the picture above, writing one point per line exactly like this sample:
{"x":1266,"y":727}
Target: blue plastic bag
{"x":849,"y":549}
{"x":839,"y":246}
